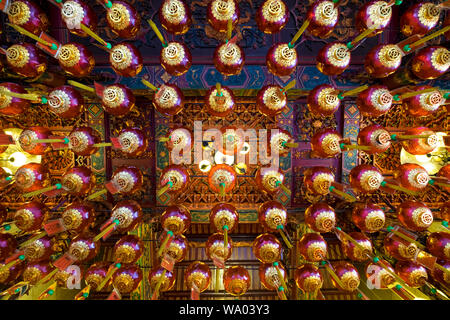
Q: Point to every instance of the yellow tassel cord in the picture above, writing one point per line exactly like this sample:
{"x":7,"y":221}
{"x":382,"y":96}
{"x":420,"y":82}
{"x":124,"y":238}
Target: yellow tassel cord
{"x":299,"y":32}
{"x":107,"y":277}
{"x":41,"y":191}
{"x":81,"y":86}
{"x":164,"y":243}
{"x":158,"y":33}
{"x":47,"y":277}
{"x":149,"y":85}
{"x":399,"y":188}
{"x":105,"y":231}
{"x":33,"y":239}
{"x":158,"y":284}
{"x":95,"y":36}
{"x":416,"y":93}
{"x":166,"y":187}
{"x":354,"y":91}
{"x":361,"y":36}
{"x":356,"y":147}
{"x":31,"y":35}
{"x":97,"y":194}
{"x":343,"y":194}
{"x":229,"y":29}
{"x":103,"y":144}
{"x":283,"y":236}
{"x":289,"y":86}
{"x":25,"y":96}
{"x":429,"y":37}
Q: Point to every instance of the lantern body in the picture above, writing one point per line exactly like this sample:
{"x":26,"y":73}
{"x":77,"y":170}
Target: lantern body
{"x":430,"y":62}
{"x":75,"y":12}
{"x":379,"y":276}
{"x":374,"y":101}
{"x":348,"y":275}
{"x":412,"y":273}
{"x":177,"y":175}
{"x":76,"y":59}
{"x":376,"y":137}
{"x":168,"y":100}
{"x":8,"y":245}
{"x":373,"y":13}
{"x":39,"y":250}
{"x":31,"y":216}
{"x":368,"y":217}
{"x":128,"y":249}
{"x":175,"y":16}
{"x":77,"y":217}
{"x":269,"y":181}
{"x":236,"y":280}
{"x":365,"y":178}
{"x":353,"y":252}
{"x":176,"y":58}
{"x":318,"y":180}
{"x":412,"y":176}
{"x":323,"y":16}
{"x":167,"y":282}
{"x":95,"y":274}
{"x":333,"y":59}
{"x":78,"y":181}
{"x":83,"y":248}
{"x":215,"y":247}
{"x":118,"y":99}
{"x":439,"y":275}
{"x":34,"y":133}
{"x":12,"y":106}
{"x":127,"y":278}
{"x":222,"y":174}
{"x":224,"y":214}
{"x":399,"y":250}
{"x":66,"y":102}
{"x":229,"y":59}
{"x":419,"y":19}
{"x":444,"y":172}
{"x":325,"y":143}
{"x":177,"y":248}
{"x":308,"y":278}
{"x":383,"y":60}
{"x":83,"y":139}
{"x":438,"y":244}
{"x":271,"y":100}
{"x":29,"y":16}
{"x":176,"y":219}
{"x":272,"y":16}
{"x":220,"y":11}
{"x":123,"y":19}
{"x":272,"y":215}
{"x":278,"y":139}
{"x":281,"y":60}
{"x":126,"y":60}
{"x":323,"y":100}
{"x":31,"y":177}
{"x":220,"y":105}
{"x":420,"y":146}
{"x":26,"y":60}
{"x":198,"y":274}
{"x":320,"y":217}
{"x":269,"y":276}
{"x":267,"y":248}
{"x":424,"y":104}
{"x":312,"y":247}
{"x":133,"y":142}
{"x":129,"y":213}
{"x":35,"y":271}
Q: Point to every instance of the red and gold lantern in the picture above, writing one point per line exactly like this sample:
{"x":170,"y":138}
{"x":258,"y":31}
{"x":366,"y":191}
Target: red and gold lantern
{"x":347,"y":274}
{"x":368,"y":217}
{"x":325,"y":143}
{"x":414,"y":215}
{"x":128,"y":249}
{"x":118,"y":99}
{"x":168,"y":100}
{"x":224,"y":218}
{"x":30,"y":216}
{"x":66,"y":102}
{"x":176,"y":219}
{"x":127,"y":278}
{"x":222,"y":179}
{"x":440,"y":275}
{"x":129,"y":213}
{"x":270,"y":278}
{"x":320,"y":217}
{"x":365,"y":178}
{"x":83,"y":141}
{"x":267,"y":248}
{"x":123,"y":19}
{"x":312,"y":247}
{"x":76,"y":59}
{"x":236,"y":280}
{"x":412,"y":273}
{"x":83,"y":248}
{"x":95,"y":274}
{"x":76,"y":12}
{"x":10,"y":275}
{"x":39,"y":250}
{"x":8,"y":245}
{"x":197,"y":274}
{"x":308,"y":278}
{"x":27,"y":140}
{"x":133,"y":142}
{"x":78,"y":181}
{"x":175,"y":16}
{"x":374,"y":101}
{"x":281,"y":142}
{"x":419,"y":19}
{"x":125,"y":59}
{"x":29,"y":16}
{"x":318,"y":180}
{"x":177,"y":248}
{"x":26,"y":60}
{"x":229,"y":59}
{"x":412,"y":176}
{"x":36,"y":271}
{"x":174,"y":179}
{"x":333,"y":59}
{"x":383,"y":60}
{"x":379,"y":276}
{"x":323,"y":17}
{"x":444,"y":172}
{"x":376,"y":137}
{"x":270,"y":181}
{"x":374,"y":15}
{"x":179,"y":139}
{"x":176,"y":58}
{"x":219,"y":12}
{"x":323,"y":100}
{"x":219,"y":101}
{"x":77,"y":217}
{"x":216,"y":248}
{"x":31,"y":177}
{"x":431,"y":62}
{"x":161,"y":280}
{"x":281,"y":59}
{"x":399,"y":250}
{"x":271,"y":100}
{"x":272,"y":16}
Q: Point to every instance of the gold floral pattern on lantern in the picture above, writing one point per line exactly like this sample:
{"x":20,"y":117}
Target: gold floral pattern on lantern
{"x":222,"y":9}
{"x":284,"y":55}
{"x":23,"y":218}
{"x":418,"y":178}
{"x":179,"y":138}
{"x":4,"y":273}
{"x":272,"y":278}
{"x":407,"y":252}
{"x":325,"y":221}
{"x":218,"y":250}
{"x":59,"y":101}
{"x":25,"y":139}
{"x":79,"y":250}
{"x":220,"y":103}
{"x":380,"y":137}
{"x":173,"y":11}
{"x":428,"y":14}
{"x":176,"y":178}
{"x":25,"y":178}
{"x":312,"y":283}
{"x":375,"y":220}
{"x":167,"y":97}
{"x":71,"y":219}
{"x":32,"y":275}
{"x":422,"y":217}
{"x":328,"y":99}
{"x":120,"y":57}
{"x":173,"y":54}
{"x":350,"y":280}
{"x":271,"y":179}
{"x":34,"y":250}
{"x":440,"y":59}
{"x":124,"y":215}
{"x":124,"y":181}
{"x":274,"y":10}
{"x":93,"y":280}
{"x":417,"y":277}
{"x":19,"y":13}
{"x":72,"y":13}
{"x":72,"y":182}
{"x":78,"y":141}
{"x":338,"y":55}
{"x":330,"y":144}
{"x":17,"y":55}
{"x":129,"y":141}
{"x":277,"y":142}
{"x":322,"y":183}
{"x":371,"y":180}
{"x":230,"y":54}
{"x":390,"y":56}
{"x":379,"y":13}
{"x":224,"y":217}
{"x":174,"y":224}
{"x":113,"y":96}
{"x":381,"y":99}
{"x":124,"y":254}
{"x":222,"y":176}
{"x":197,"y":278}
{"x":118,"y":16}
{"x":69,"y":55}
{"x":431,"y":101}
{"x":124,"y":283}
{"x":274,"y":99}
{"x":326,"y":13}
{"x":316,"y":251}
{"x":175,"y":250}
{"x":269,"y":252}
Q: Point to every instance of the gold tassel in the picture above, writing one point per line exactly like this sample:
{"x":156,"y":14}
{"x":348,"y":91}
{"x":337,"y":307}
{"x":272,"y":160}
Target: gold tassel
{"x":96,"y":194}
